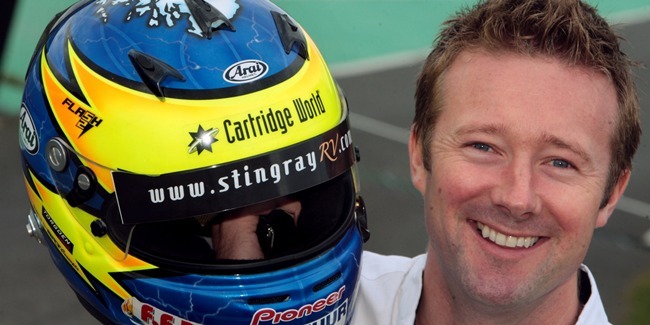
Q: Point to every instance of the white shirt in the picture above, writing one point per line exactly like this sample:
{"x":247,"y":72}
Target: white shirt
{"x":390,"y":288}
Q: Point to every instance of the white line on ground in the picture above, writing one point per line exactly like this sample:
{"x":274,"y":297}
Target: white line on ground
{"x":634,"y":206}
{"x":378,"y":63}
{"x":379,"y":128}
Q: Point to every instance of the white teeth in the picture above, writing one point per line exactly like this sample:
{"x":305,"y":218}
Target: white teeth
{"x":501,"y":239}
{"x":520,"y":242}
{"x":505,"y":240}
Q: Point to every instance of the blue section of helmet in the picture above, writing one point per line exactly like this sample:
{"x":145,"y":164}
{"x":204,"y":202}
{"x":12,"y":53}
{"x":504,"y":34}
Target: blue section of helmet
{"x":224,"y":294}
{"x":104,"y":37}
{"x":217,"y":299}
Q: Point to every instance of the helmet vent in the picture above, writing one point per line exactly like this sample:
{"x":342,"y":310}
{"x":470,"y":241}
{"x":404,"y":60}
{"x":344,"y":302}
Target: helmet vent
{"x":327,"y":282}
{"x":268,"y":300}
{"x":153,"y":71}
{"x":290,"y":34}
{"x":208,"y":17}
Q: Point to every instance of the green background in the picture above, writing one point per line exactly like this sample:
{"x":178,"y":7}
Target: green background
{"x":345,"y":30}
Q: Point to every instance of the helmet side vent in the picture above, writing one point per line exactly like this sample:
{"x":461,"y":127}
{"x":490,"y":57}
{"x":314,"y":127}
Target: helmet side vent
{"x":327,"y":282}
{"x":153,"y":71}
{"x":268,"y":300}
{"x":290,"y":34}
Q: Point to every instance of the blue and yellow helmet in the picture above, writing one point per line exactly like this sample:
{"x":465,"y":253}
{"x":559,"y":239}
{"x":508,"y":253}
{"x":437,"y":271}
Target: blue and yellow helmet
{"x":144,"y":123}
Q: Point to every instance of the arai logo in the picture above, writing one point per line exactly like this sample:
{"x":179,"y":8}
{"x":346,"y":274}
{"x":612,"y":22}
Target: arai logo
{"x":28,"y":135}
{"x":245,"y":71}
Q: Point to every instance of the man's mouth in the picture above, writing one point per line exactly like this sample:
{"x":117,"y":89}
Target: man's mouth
{"x":505,"y":240}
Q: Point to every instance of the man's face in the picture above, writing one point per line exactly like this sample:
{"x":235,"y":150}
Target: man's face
{"x":520,"y":154}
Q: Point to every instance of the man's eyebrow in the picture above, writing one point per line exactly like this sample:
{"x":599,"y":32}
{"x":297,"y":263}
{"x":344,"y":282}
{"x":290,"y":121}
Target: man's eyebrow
{"x":557,"y":142}
{"x":487,"y":129}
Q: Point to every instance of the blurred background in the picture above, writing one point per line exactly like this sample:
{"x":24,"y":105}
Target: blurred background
{"x":374,"y":48}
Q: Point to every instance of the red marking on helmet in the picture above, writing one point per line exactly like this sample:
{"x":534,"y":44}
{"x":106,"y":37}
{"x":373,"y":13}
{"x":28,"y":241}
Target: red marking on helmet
{"x":275,"y":317}
{"x":148,"y":314}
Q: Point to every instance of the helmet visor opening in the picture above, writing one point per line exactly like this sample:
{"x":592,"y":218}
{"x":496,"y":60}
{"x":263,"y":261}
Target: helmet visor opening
{"x":287,"y":230}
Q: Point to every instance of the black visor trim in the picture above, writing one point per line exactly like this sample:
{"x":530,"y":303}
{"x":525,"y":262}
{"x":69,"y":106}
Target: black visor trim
{"x":144,"y":199}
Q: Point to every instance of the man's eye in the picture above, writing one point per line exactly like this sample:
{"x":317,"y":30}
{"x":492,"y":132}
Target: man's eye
{"x":481,"y":146}
{"x":561,"y":163}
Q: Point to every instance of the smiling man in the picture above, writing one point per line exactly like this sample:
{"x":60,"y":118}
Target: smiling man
{"x":526,"y":124}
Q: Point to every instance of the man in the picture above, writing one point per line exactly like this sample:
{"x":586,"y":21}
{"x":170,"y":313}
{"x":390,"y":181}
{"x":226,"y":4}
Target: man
{"x":525,"y":127}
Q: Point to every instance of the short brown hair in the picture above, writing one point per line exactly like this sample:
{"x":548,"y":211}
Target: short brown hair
{"x":569,"y":30}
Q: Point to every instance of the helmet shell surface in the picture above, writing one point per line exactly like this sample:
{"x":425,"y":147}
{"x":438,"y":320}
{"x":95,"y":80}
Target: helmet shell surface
{"x":125,"y":98}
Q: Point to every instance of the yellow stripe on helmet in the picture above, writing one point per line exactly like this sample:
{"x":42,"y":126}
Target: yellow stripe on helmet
{"x":122,"y":128}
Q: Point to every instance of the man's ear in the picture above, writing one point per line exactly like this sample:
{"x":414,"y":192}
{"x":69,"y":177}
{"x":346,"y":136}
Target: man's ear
{"x":606,"y":211}
{"x":418,"y":170}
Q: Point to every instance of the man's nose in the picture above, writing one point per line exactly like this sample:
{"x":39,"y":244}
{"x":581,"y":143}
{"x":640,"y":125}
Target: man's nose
{"x":516,"y":192}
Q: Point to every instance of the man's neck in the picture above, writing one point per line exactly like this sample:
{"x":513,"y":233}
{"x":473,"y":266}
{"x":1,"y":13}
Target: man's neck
{"x":444,"y":304}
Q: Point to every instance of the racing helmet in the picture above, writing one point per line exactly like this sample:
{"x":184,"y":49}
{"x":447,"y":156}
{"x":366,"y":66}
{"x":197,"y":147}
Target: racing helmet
{"x":145,"y":123}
